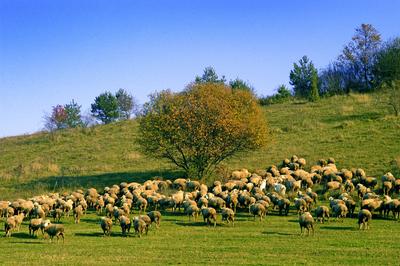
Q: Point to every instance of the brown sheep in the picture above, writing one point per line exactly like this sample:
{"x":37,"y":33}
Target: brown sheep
{"x":339,"y":211}
{"x":228,"y":215}
{"x":209,"y":214}
{"x":125,"y":224}
{"x":54,"y":230}
{"x":192,"y":211}
{"x":306,"y":221}
{"x":9,"y":225}
{"x":140,"y":226}
{"x":258,"y":209}
{"x":78,"y":212}
{"x":321,"y":213}
{"x":364,"y":217}
{"x":106,"y":225}
{"x":155,"y":217}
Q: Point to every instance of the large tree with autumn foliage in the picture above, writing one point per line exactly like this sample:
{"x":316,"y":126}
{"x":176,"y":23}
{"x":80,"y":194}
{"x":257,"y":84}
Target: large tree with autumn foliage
{"x":200,"y":127}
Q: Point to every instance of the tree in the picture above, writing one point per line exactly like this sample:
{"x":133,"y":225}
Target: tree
{"x":238,"y":84}
{"x":301,"y":77}
{"x":105,"y":108}
{"x":200,"y":127}
{"x":283,"y":95}
{"x":64,"y":116}
{"x":57,"y":119}
{"x":74,"y":118}
{"x":126,"y":104}
{"x":392,"y":95}
{"x":314,"y":93}
{"x":360,"y":55}
{"x":387,"y":66}
{"x":209,"y":75}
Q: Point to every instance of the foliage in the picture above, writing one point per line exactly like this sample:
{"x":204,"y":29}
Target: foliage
{"x":209,"y":75}
{"x":392,"y":95}
{"x":64,"y":116}
{"x":387,"y":66}
{"x":126,"y":104}
{"x":74,"y":118}
{"x":238,"y":84}
{"x":314,"y":93}
{"x":201,"y":126}
{"x":359,"y":56}
{"x":334,"y":80}
{"x":301,"y":77}
{"x":105,"y":108}
{"x":283,"y":95}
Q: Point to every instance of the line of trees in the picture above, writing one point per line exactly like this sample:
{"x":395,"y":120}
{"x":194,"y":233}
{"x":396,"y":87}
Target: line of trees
{"x":365,"y":64}
{"x":106,"y":108}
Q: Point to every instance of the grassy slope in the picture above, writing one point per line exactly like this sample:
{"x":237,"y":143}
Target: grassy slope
{"x":354,"y":130}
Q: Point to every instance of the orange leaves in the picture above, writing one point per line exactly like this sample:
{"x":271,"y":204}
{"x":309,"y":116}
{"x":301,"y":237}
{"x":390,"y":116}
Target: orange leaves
{"x":202,"y":125}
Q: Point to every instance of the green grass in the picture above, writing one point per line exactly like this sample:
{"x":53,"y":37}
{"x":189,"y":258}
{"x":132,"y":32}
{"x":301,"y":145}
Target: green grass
{"x":274,"y":241}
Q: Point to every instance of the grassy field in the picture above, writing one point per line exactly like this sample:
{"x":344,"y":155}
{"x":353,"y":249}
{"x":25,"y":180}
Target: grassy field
{"x":355,"y":129}
{"x":273,"y":241}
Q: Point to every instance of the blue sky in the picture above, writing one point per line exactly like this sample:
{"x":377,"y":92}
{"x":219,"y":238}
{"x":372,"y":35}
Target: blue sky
{"x":54,"y":51}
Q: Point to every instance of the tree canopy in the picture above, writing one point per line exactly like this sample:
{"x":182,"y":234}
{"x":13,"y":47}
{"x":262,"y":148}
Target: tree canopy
{"x":201,"y":126}
{"x":301,"y":77}
{"x":105,"y":107}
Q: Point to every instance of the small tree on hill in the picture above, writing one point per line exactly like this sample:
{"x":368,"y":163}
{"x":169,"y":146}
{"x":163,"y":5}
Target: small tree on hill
{"x":238,"y":84}
{"x":314,"y":94}
{"x":201,"y":126}
{"x":209,"y":75}
{"x":74,"y":118}
{"x":105,"y":108}
{"x":126,"y":104}
{"x":301,"y":77}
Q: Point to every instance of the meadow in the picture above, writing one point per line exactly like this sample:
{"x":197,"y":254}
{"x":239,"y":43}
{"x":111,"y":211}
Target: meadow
{"x":357,"y":130}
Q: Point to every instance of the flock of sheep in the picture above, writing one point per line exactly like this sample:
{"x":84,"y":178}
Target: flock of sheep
{"x":273,"y":189}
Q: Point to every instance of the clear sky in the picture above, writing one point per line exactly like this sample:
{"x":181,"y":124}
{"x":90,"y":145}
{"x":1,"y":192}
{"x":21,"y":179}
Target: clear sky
{"x":53,"y":51}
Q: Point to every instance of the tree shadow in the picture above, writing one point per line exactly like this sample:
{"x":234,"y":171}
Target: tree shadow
{"x":343,"y":228}
{"x":99,"y":181}
{"x":99,"y":234}
{"x":198,"y":224}
{"x":277,"y":233}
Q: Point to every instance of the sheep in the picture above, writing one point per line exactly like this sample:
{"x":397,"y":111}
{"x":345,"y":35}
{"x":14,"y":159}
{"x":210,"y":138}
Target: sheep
{"x":228,"y":215}
{"x":217,"y":203}
{"x":280,"y":189}
{"x":37,"y":211}
{"x":283,"y":205}
{"x":192,"y":211}
{"x":306,"y":221}
{"x":78,"y":212}
{"x":106,"y":225}
{"x":371,"y":204}
{"x":361,"y":190}
{"x":333,"y":185}
{"x":339,"y":211}
{"x":209,"y":214}
{"x":258,"y":209}
{"x":395,"y":208}
{"x":56,"y":214}
{"x":54,"y":230}
{"x":125,"y":224}
{"x":141,"y":204}
{"x":364,"y":217}
{"x":239,"y":174}
{"x":147,"y":220}
{"x":321,"y":213}
{"x":300,"y":205}
{"x":155,"y":217}
{"x":140,"y":226}
{"x":387,"y":187}
{"x":36,"y":224}
{"x":9,"y":225}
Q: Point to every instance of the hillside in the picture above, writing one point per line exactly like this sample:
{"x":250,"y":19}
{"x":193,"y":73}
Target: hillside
{"x":357,"y":130}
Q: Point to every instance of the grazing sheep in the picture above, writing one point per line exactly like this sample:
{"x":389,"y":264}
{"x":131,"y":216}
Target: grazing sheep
{"x":321,"y":213}
{"x":78,"y":212}
{"x":147,"y":220}
{"x":283,"y":205}
{"x":106,"y":225}
{"x":34,"y":226}
{"x":117,"y":213}
{"x":56,"y":214}
{"x":140,"y":226}
{"x":192,"y":211}
{"x":364,"y":217}
{"x":301,"y":205}
{"x":155,"y":217}
{"x":125,"y":224}
{"x":306,"y":221}
{"x":228,"y":215}
{"x":395,"y":208}
{"x":258,"y":209}
{"x":387,"y":187}
{"x":54,"y":230}
{"x":18,"y":220}
{"x":209,"y":214}
{"x":141,"y":204}
{"x":339,"y":211}
{"x":217,"y":203}
{"x":361,"y":190}
{"x":9,"y":225}
{"x":371,"y":204}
